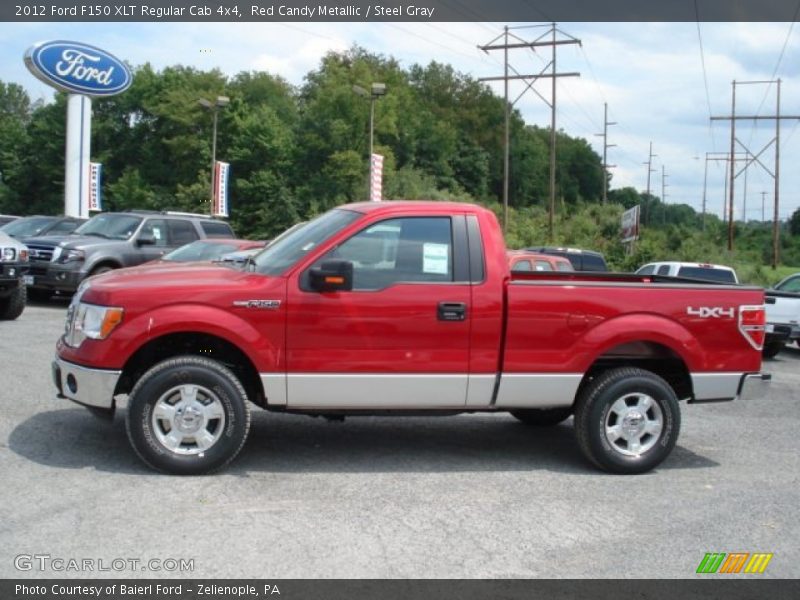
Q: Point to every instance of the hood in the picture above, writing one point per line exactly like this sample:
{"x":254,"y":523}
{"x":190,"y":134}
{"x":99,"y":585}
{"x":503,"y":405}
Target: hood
{"x":157,"y":284}
{"x":47,"y":240}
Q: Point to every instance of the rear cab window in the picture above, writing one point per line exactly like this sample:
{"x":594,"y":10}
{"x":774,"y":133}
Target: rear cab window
{"x":708,"y":273}
{"x":217,"y":229}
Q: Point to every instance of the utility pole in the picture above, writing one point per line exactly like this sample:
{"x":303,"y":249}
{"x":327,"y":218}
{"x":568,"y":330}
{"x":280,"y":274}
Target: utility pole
{"x":606,"y":146}
{"x":754,"y":157}
{"x":763,"y":214}
{"x":664,"y":187}
{"x":511,"y":41}
{"x":650,"y":169}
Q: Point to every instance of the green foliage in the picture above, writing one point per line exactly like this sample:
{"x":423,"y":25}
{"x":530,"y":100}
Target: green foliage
{"x":295,"y":152}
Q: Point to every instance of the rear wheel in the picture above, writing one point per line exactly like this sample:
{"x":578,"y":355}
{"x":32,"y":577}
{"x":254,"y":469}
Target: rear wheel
{"x":542,"y":417}
{"x":12,"y":306}
{"x":627,"y":420}
{"x":188,"y":416}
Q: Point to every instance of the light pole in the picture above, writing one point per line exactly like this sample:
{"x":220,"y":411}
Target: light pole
{"x":214,"y":108}
{"x":376,"y":91}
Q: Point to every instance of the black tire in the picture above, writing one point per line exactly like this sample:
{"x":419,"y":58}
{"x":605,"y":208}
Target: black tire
{"x":542,"y":417}
{"x":214,"y":384}
{"x":597,"y":409}
{"x":771,"y":350}
{"x":12,"y":306}
{"x":100,"y":270}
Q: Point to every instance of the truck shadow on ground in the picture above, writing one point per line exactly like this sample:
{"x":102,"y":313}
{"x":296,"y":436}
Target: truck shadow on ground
{"x":74,"y":439}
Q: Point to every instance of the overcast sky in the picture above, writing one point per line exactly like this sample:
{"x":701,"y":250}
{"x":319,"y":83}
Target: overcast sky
{"x":650,"y":74}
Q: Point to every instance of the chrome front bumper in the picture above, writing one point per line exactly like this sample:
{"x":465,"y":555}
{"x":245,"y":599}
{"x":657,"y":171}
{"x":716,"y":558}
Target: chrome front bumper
{"x":90,"y":387}
{"x":754,"y":385}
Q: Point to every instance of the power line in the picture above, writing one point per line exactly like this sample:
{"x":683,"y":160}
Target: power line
{"x":705,"y":76}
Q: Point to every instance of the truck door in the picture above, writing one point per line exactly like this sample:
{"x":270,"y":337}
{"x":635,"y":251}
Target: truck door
{"x":400,"y":338}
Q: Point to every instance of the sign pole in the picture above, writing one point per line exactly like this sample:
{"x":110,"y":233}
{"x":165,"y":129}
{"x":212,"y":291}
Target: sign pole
{"x":76,"y":167}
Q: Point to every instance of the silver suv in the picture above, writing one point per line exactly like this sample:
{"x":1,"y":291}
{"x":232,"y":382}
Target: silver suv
{"x":110,"y":241}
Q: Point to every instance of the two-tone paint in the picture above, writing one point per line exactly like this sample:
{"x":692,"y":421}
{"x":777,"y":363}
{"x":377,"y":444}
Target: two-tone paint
{"x":527,"y":340}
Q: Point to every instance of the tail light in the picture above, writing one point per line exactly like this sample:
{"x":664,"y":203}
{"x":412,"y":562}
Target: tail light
{"x":752,"y":324}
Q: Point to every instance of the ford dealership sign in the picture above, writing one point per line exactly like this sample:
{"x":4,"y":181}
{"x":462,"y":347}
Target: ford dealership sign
{"x":78,"y":68}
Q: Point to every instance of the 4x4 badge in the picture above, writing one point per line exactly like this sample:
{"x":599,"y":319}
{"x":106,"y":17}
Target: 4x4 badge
{"x":262,"y":304}
{"x":705,"y":312}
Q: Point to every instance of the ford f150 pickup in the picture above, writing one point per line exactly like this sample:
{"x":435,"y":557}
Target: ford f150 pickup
{"x":396,"y":308}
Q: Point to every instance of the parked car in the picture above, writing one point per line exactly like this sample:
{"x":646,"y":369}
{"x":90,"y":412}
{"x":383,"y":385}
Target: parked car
{"x":7,"y":219}
{"x":522,"y":260}
{"x":13,"y":267}
{"x":402,"y":308}
{"x":783,"y":309}
{"x":110,"y":241}
{"x":211,"y":249}
{"x":582,"y":260}
{"x":35,"y":225}
{"x":691,"y":270}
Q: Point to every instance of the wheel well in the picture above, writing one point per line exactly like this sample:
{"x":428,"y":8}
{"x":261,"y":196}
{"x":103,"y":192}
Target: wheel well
{"x":106,"y":263}
{"x":650,"y":356}
{"x":193,"y":344}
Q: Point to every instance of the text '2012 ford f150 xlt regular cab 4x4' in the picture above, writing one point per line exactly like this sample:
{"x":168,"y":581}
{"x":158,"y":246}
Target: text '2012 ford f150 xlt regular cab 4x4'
{"x":403,"y":308}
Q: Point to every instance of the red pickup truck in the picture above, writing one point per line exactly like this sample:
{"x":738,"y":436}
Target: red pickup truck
{"x":396,"y":308}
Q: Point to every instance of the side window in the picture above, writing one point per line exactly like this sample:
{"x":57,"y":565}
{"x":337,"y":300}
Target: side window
{"x":413,"y":249}
{"x":63,"y":227}
{"x":181,"y":232}
{"x":593,"y":263}
{"x":543,"y":265}
{"x":646,"y":270}
{"x":157,"y":228}
{"x":663,"y":270}
{"x":523,"y":265}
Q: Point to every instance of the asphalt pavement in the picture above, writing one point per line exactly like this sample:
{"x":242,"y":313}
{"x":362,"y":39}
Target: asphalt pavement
{"x":472,"y":496}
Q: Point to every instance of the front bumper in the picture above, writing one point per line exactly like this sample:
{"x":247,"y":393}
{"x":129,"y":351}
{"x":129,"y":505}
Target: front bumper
{"x":754,"y":385}
{"x":90,"y":387}
{"x":57,"y":278}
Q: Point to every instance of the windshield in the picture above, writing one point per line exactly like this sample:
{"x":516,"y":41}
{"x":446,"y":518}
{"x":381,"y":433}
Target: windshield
{"x":286,"y":251}
{"x":116,"y":227}
{"x":200,"y":250}
{"x":27,"y":227}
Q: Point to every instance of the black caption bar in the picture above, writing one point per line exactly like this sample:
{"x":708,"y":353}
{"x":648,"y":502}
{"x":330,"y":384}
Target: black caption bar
{"x":439,"y":589}
{"x":392,"y":10}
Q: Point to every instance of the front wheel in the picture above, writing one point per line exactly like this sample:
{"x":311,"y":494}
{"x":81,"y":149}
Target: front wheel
{"x":627,"y":420}
{"x":12,"y":306}
{"x":187,"y":416}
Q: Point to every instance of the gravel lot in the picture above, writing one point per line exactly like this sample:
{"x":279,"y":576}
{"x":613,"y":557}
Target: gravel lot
{"x":455,"y":497}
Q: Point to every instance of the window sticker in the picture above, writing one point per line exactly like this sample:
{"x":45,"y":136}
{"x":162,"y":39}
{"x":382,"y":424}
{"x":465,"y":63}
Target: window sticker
{"x":435,"y":258}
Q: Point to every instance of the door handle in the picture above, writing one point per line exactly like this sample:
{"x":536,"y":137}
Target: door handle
{"x":451,"y":311}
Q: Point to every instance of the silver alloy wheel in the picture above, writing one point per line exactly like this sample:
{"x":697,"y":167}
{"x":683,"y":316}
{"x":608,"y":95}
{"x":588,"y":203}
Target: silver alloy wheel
{"x":633,"y":424}
{"x":188,"y":419}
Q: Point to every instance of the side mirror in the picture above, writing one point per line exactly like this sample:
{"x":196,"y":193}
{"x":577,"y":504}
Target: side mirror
{"x":332,"y":276}
{"x":146,"y":239}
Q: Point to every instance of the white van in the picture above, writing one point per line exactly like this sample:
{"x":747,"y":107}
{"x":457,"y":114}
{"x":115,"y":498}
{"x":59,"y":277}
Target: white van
{"x":705,"y":271}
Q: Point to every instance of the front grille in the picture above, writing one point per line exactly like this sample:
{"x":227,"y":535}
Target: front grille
{"x":40,"y":253}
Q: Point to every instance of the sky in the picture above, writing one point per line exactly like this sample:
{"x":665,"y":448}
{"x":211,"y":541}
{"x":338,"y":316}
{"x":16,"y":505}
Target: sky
{"x":662,"y":83}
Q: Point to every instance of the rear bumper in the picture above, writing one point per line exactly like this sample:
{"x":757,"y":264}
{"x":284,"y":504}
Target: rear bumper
{"x":90,"y":387}
{"x":723,"y":387}
{"x":754,"y":385}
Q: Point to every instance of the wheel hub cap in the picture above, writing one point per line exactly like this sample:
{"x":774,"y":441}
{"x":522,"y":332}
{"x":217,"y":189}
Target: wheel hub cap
{"x":188,"y":419}
{"x":633,"y":424}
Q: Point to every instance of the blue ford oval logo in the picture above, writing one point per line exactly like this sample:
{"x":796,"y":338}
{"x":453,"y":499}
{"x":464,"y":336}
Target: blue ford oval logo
{"x":78,"y":68}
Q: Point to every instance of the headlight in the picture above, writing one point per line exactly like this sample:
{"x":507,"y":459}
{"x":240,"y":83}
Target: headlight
{"x":90,"y":321}
{"x":66,"y":256}
{"x":9,"y":255}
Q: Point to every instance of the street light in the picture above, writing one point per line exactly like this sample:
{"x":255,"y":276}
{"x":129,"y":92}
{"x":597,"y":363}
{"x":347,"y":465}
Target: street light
{"x":376,"y":91}
{"x":214,"y":108}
